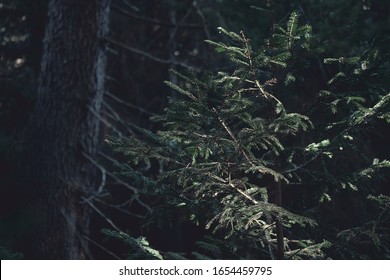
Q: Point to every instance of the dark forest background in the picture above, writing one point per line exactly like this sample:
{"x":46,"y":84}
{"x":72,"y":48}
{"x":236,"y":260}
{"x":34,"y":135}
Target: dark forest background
{"x":85,"y":174}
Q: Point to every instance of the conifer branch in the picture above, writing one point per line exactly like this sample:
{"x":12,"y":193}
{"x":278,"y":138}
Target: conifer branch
{"x":231,"y":134}
{"x":254,"y":201}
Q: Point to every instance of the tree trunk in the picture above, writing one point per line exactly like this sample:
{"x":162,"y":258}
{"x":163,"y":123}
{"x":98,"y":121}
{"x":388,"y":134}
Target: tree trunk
{"x":65,"y":127}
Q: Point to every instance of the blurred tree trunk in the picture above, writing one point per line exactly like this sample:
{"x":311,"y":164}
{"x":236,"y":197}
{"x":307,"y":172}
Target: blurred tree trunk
{"x":64,"y":135}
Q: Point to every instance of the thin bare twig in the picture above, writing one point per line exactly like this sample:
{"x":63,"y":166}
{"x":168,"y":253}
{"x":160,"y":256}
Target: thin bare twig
{"x":107,"y":219}
{"x":203,"y":18}
{"x":119,"y":208}
{"x":102,"y":170}
{"x":101,"y":247}
{"x":112,"y":114}
{"x":120,"y":101}
{"x":112,"y":111}
{"x":152,"y":57}
{"x":107,"y":157}
{"x":153,"y":21}
{"x":130,"y":188}
{"x":104,"y":121}
{"x":105,"y":172}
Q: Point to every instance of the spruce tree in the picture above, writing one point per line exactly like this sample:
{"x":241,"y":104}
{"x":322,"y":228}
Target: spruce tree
{"x":232,"y":144}
{"x":225,"y":145}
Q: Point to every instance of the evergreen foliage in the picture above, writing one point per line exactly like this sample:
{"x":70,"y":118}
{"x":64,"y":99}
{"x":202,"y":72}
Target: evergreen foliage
{"x":229,"y":142}
{"x":139,"y":247}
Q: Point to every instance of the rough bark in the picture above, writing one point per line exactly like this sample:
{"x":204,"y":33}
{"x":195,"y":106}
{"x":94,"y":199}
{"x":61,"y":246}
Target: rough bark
{"x":65,"y":127}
